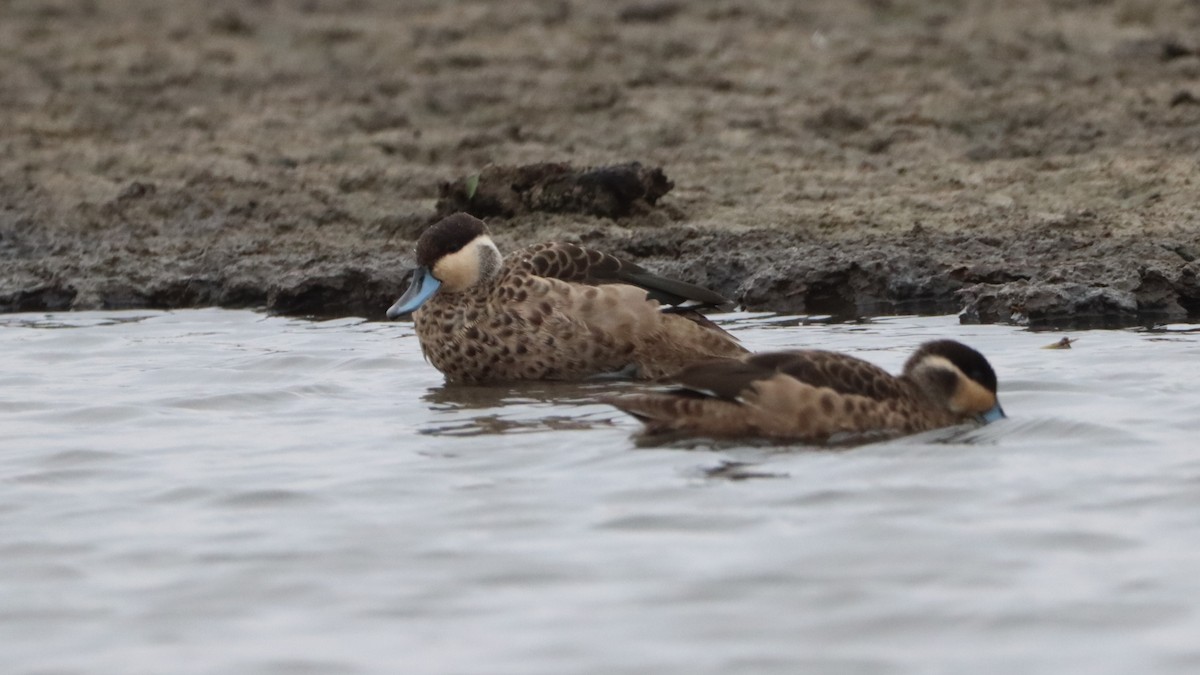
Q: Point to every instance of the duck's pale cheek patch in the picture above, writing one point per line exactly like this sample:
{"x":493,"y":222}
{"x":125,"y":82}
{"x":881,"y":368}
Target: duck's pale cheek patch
{"x":463,"y":268}
{"x":459,"y":270}
{"x":972,"y":398}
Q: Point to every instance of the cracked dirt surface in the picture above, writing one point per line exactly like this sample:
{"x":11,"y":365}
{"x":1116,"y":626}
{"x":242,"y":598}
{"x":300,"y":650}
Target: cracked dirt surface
{"x":1025,"y":161}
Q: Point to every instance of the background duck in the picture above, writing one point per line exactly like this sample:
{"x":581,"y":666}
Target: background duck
{"x":552,"y":311}
{"x":811,"y":395}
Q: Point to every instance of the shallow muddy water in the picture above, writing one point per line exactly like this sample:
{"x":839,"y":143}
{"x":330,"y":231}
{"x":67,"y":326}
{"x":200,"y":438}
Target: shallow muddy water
{"x":225,"y":492}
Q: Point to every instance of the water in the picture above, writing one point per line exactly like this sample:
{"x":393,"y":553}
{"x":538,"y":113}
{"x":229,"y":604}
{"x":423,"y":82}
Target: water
{"x":224,"y":492}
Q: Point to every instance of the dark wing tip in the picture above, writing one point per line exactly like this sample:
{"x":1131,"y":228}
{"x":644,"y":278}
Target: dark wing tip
{"x":571,"y":262}
{"x":672,"y":291}
{"x":725,"y":379}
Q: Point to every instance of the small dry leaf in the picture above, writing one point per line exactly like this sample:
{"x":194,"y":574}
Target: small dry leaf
{"x":1064,"y":343}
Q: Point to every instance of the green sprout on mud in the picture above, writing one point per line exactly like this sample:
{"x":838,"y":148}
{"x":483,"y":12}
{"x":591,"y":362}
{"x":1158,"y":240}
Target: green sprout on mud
{"x":472,"y":186}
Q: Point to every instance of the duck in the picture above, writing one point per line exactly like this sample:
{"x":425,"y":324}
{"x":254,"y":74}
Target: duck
{"x":552,"y":311}
{"x":815,"y":396}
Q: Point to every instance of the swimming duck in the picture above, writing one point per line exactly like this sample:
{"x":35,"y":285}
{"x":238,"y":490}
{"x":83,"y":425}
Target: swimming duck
{"x":553,"y":311}
{"x":812,"y":395}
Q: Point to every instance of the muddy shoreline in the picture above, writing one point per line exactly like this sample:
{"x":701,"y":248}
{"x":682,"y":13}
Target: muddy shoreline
{"x":1034,"y":163}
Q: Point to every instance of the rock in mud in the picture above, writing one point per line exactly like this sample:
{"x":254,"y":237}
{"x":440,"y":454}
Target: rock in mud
{"x":1151,"y":296}
{"x":611,"y":191}
{"x":353,"y":291}
{"x":1048,"y":305}
{"x":927,"y":272}
{"x":44,"y":298}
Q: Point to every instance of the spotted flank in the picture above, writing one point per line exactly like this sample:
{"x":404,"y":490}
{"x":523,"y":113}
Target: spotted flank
{"x":553,"y":311}
{"x":812,"y":395}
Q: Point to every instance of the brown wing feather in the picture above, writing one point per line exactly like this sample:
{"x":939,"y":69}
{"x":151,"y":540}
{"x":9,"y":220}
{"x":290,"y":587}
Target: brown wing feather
{"x":570,"y":262}
{"x":725,"y":379}
{"x":663,"y":413}
{"x":728,"y":379}
{"x":844,"y":374}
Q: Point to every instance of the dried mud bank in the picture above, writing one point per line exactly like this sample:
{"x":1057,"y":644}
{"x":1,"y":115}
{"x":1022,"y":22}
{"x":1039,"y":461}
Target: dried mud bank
{"x":1031,"y":162}
{"x":1040,"y":277}
{"x":1033,"y":279}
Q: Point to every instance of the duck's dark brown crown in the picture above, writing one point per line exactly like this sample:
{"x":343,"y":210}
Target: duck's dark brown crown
{"x":447,"y":236}
{"x":970,"y":362}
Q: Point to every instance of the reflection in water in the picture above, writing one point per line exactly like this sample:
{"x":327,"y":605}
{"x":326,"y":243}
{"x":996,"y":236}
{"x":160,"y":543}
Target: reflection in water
{"x":67,"y":321}
{"x":466,"y":397}
{"x":738,"y":471}
{"x":484,"y":425}
{"x":528,"y":406}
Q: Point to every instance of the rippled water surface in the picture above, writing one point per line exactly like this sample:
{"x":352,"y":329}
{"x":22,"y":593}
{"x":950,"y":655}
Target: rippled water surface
{"x":225,"y":492}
